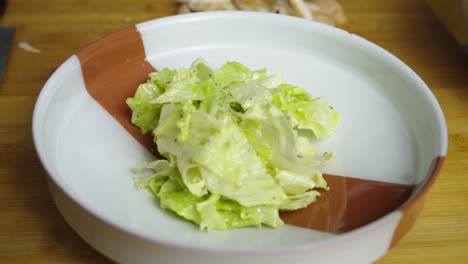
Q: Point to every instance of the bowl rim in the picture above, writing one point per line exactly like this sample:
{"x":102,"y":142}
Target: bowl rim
{"x":47,"y":90}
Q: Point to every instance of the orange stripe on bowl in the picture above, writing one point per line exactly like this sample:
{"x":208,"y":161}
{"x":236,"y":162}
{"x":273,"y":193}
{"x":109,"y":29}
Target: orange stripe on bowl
{"x":413,"y":206}
{"x":113,"y":67}
{"x":350,"y":204}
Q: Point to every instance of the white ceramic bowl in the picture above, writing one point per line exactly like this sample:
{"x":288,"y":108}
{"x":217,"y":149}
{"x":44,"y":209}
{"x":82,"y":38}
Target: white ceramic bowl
{"x":390,"y":143}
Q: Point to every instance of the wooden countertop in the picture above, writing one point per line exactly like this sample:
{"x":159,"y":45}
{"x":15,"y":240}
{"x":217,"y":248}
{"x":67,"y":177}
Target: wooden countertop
{"x":32,"y":230}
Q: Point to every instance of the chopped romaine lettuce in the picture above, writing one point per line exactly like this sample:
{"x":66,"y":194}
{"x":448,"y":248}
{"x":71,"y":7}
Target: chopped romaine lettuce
{"x":234,"y":156}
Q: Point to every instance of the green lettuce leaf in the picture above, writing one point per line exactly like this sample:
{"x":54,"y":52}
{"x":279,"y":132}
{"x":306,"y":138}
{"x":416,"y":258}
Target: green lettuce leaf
{"x":307,"y":113}
{"x":233,"y":73}
{"x":230,"y":167}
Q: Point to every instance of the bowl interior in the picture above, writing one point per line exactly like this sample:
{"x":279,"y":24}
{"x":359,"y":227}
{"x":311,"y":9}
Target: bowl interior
{"x":390,"y":133}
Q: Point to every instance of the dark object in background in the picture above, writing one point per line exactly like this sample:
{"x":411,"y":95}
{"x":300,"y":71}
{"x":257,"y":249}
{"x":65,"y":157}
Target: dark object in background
{"x":6,"y":38}
{"x":454,"y":15}
{"x":2,"y":7}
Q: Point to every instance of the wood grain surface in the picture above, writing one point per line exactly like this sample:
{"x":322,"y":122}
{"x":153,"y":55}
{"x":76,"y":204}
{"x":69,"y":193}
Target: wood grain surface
{"x":32,"y":230}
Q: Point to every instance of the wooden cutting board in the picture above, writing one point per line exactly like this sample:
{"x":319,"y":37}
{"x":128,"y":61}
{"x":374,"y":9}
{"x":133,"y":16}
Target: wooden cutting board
{"x":32,"y":230}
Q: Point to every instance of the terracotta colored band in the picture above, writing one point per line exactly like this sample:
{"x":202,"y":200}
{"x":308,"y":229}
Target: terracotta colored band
{"x":113,"y":67}
{"x":413,"y":206}
{"x":350,"y":204}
